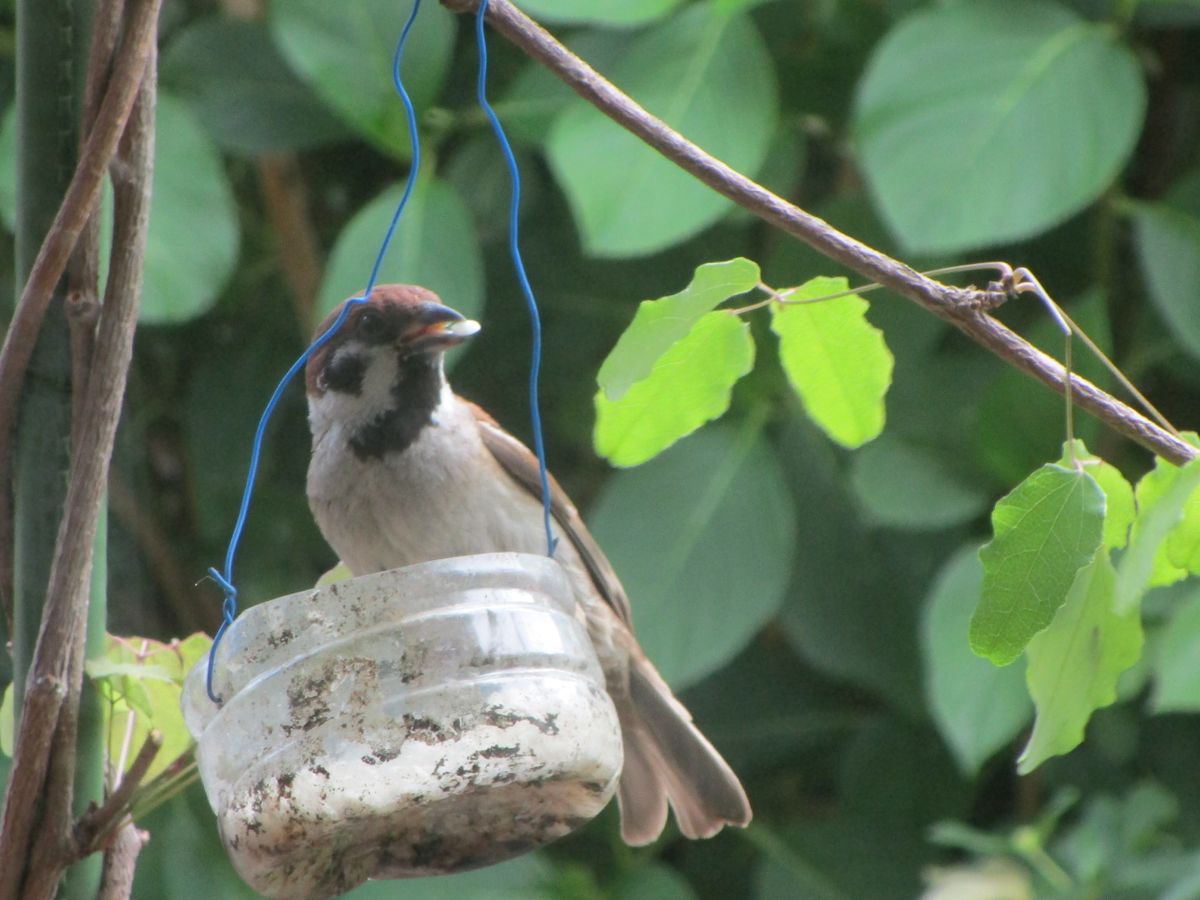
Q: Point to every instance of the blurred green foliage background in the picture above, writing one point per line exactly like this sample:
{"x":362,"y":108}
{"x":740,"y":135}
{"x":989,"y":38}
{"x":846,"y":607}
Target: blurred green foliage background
{"x":810,"y":604}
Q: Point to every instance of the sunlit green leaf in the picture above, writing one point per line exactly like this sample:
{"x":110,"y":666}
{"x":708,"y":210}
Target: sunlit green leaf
{"x":706,"y":74}
{"x":340,"y":572}
{"x":1119,"y":506}
{"x":1046,"y":530}
{"x":1074,"y":663}
{"x":904,"y":486}
{"x":1029,"y":111}
{"x":978,"y":707}
{"x":7,"y":720}
{"x":835,"y":359}
{"x":434,"y":246}
{"x":1183,"y":542}
{"x":658,"y":324}
{"x":345,"y":52}
{"x":689,"y":385}
{"x":708,"y":520}
{"x":142,"y":681}
{"x":1162,"y":495}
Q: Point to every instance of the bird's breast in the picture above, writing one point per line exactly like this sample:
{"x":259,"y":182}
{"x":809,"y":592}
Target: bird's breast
{"x":445,"y":495}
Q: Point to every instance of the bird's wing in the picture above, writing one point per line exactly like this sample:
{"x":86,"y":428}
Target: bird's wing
{"x":516,"y":459}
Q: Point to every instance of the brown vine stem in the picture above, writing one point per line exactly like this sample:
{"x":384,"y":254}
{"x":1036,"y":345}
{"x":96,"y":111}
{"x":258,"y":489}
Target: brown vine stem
{"x":57,"y":661}
{"x":80,"y":200}
{"x":965,"y":309}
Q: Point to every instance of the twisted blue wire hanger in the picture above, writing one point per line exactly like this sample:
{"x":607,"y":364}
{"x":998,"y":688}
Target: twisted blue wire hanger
{"x":225,"y":578}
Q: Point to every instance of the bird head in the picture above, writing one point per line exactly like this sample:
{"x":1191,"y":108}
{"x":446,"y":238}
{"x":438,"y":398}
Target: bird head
{"x":385,"y":358}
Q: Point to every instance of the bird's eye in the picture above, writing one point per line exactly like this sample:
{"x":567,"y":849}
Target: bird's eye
{"x":371,"y":325}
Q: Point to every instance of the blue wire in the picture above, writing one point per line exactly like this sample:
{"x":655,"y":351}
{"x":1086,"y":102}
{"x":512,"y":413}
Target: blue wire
{"x":225,"y":579}
{"x":514,"y":249}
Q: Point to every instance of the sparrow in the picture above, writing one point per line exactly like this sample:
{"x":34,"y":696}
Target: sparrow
{"x":404,"y":471}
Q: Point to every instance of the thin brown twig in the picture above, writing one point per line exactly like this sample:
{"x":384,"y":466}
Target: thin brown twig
{"x":164,"y":565}
{"x":120,"y":863}
{"x":58,"y":656}
{"x":78,"y":203}
{"x":297,"y":247}
{"x":83,"y":270}
{"x":97,"y":824}
{"x":963,"y":308}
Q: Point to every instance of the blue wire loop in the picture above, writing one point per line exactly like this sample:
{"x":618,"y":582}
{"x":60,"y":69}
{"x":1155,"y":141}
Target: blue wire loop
{"x":225,"y":579}
{"x":514,"y":250}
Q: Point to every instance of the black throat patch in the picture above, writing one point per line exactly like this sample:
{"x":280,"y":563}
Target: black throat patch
{"x":415,"y":396}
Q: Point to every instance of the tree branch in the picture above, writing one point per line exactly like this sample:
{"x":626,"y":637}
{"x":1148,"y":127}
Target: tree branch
{"x":120,"y":863}
{"x":963,"y":308}
{"x":58,"y":658}
{"x":95,"y":826}
{"x":80,"y":200}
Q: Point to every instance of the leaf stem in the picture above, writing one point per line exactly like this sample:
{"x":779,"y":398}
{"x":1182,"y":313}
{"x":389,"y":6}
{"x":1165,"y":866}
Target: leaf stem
{"x":966,"y":309}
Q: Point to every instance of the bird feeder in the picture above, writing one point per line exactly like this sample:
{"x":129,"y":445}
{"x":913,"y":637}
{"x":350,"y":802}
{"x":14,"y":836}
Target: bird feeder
{"x":420,"y":721}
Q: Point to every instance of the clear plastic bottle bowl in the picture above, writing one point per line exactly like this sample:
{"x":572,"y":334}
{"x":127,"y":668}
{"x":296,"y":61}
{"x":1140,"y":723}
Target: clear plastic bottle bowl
{"x":421,"y":721}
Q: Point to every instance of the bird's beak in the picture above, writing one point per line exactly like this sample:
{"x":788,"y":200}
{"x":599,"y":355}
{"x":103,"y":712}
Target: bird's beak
{"x":436,"y":327}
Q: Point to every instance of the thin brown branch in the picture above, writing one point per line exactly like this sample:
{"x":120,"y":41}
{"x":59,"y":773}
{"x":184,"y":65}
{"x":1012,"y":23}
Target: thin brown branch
{"x":963,"y":308}
{"x":78,"y":203}
{"x":83,"y":311}
{"x":160,"y":556}
{"x":32,"y":748}
{"x":120,"y":863}
{"x":83,"y":270}
{"x":298,"y":250}
{"x":93,"y":829}
{"x":58,"y":656}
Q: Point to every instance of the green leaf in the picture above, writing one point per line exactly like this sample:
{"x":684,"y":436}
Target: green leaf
{"x":1046,"y":530}
{"x":709,"y":76}
{"x":1176,"y":675}
{"x":435,"y":246}
{"x":1183,"y":541}
{"x":835,"y":359}
{"x":1017,"y":425}
{"x":692,"y":383}
{"x":345,"y":52}
{"x":622,"y":13}
{"x":1162,"y":495}
{"x":833,"y":616}
{"x":707,"y":522}
{"x":1029,"y":111}
{"x":1074,"y":664}
{"x":192,"y":243}
{"x":658,"y":324}
{"x":1119,"y":505}
{"x":654,"y":882}
{"x":524,"y":878}
{"x":340,"y":572}
{"x":143,"y":680}
{"x":904,"y":486}
{"x":978,"y":707}
{"x":536,"y":97}
{"x":1168,"y":243}
{"x":8,"y":717}
{"x":243,"y":91}
{"x":193,"y":237}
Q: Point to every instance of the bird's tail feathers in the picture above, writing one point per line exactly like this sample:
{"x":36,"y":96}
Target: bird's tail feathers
{"x":667,"y":758}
